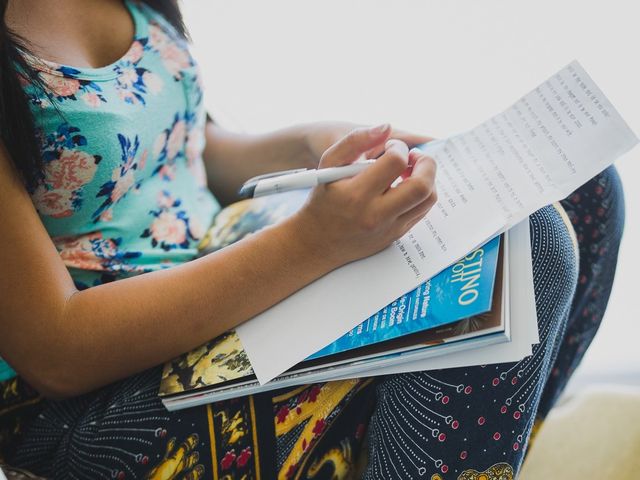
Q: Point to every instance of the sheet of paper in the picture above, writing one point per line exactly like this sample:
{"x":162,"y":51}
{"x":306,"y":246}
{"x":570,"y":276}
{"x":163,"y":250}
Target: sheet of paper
{"x":547,"y":144}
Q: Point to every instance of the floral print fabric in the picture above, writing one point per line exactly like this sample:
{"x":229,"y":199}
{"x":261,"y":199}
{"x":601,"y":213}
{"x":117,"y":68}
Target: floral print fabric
{"x":123,"y":189}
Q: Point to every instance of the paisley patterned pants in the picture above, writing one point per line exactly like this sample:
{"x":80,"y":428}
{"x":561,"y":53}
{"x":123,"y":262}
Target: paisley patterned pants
{"x":463,"y":423}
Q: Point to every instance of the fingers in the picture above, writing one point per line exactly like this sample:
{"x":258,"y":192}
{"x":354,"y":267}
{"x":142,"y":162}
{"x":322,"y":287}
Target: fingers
{"x":411,"y":139}
{"x":413,"y":156}
{"x":355,"y":144}
{"x":378,"y":177}
{"x":415,"y":193}
{"x":417,"y":213}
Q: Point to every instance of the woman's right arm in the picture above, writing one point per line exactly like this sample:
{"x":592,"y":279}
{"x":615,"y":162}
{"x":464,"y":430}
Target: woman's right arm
{"x":66,"y":342}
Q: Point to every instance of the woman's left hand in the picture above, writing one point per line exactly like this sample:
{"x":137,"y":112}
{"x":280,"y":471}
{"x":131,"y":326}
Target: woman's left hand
{"x":322,"y":135}
{"x":232,"y":158}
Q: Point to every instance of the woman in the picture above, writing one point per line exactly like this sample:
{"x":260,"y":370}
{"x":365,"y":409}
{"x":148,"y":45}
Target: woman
{"x":105,"y":169}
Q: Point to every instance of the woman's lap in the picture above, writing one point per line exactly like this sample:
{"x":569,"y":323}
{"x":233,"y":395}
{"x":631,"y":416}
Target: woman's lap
{"x":446,"y":422}
{"x":506,"y":401}
{"x":426,"y":424}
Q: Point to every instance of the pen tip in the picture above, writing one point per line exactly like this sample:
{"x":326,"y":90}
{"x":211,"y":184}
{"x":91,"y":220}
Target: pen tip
{"x":247,"y":190}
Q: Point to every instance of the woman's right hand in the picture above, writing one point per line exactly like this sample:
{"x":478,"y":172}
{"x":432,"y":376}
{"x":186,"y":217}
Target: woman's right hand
{"x":353,"y":218}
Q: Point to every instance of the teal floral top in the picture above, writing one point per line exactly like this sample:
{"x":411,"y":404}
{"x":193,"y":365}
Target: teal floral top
{"x":123,"y":190}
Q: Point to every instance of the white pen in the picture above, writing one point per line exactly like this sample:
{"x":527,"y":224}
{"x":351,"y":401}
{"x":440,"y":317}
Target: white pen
{"x":285,"y":181}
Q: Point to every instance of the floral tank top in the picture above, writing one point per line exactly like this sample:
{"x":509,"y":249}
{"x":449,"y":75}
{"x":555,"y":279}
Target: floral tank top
{"x":123,"y":190}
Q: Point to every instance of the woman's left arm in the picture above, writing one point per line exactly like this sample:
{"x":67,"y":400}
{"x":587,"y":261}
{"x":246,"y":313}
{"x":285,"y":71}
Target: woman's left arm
{"x":232,"y":158}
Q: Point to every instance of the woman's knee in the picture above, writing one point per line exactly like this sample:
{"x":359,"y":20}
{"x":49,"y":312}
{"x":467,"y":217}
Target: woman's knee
{"x":597,"y":209}
{"x":554,"y":256}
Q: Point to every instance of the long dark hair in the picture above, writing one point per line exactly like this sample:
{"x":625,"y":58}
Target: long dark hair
{"x":17,"y":127}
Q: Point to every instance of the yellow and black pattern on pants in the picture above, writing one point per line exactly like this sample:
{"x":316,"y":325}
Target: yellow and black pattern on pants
{"x":124,"y":432}
{"x":18,"y":403}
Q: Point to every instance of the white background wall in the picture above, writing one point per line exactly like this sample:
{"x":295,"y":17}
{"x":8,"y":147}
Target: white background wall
{"x":436,"y":67}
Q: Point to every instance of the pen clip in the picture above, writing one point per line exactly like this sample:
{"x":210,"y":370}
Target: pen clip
{"x":257,"y":178}
{"x":249,"y":187}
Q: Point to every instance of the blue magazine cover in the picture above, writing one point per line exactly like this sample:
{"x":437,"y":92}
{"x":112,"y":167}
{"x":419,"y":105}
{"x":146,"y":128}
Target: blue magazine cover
{"x":463,"y":290}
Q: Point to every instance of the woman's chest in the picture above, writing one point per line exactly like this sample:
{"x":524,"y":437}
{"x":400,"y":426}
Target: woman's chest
{"x":106,"y":132}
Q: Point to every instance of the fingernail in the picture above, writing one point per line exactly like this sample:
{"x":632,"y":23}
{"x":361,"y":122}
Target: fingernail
{"x":380,"y":129}
{"x":415,"y":150}
{"x":393,"y":141}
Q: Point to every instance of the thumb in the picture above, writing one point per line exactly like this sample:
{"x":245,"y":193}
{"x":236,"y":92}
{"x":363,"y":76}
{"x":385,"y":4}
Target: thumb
{"x":357,"y":142}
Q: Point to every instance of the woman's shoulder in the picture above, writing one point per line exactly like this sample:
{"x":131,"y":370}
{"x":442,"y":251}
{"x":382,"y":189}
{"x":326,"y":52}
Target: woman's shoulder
{"x":160,"y":20}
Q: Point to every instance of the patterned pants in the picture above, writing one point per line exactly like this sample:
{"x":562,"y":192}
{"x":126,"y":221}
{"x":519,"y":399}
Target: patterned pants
{"x":463,"y":423}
